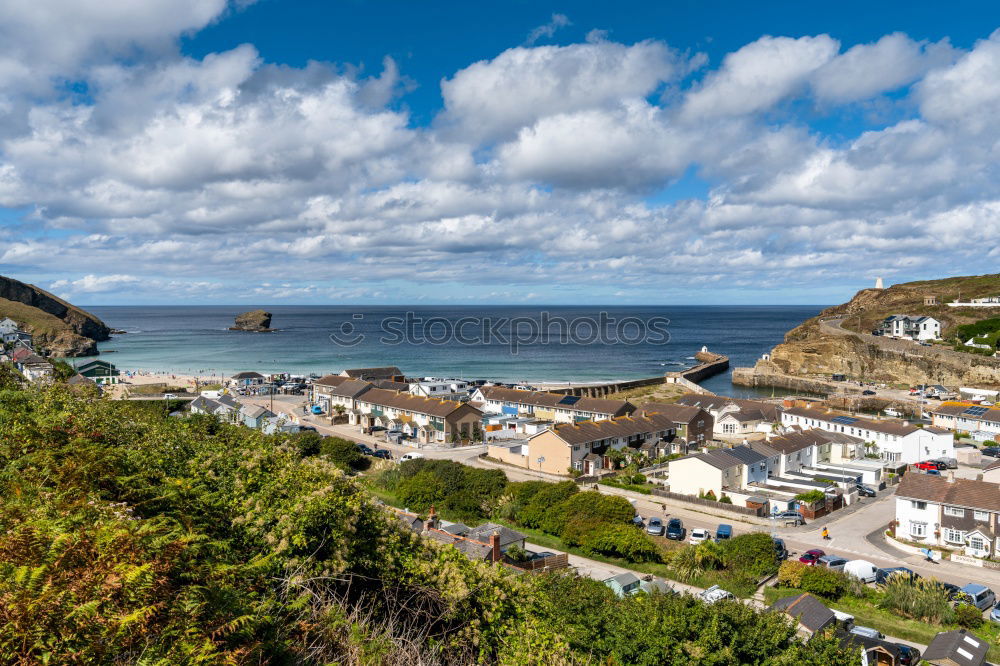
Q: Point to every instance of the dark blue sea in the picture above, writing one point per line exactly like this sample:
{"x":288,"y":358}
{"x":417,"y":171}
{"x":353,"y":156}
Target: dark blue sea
{"x":467,"y":342}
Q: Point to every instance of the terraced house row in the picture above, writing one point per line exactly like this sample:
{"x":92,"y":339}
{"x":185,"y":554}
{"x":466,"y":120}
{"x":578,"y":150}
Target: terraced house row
{"x":548,"y":406}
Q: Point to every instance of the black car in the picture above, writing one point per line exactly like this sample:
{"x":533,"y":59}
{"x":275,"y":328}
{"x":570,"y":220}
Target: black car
{"x":868,"y":392}
{"x":953,"y":591}
{"x":382,"y":453}
{"x":865,"y":491}
{"x":365,"y":449}
{"x":992,"y":451}
{"x":307,"y":429}
{"x":908,"y":656}
{"x":940,"y":465}
{"x":883,"y":575}
{"x":779,"y":549}
{"x":675,"y":529}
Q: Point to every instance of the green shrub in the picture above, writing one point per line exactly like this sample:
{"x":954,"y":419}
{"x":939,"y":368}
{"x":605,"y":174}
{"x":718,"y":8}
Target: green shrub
{"x":752,"y":554}
{"x":590,"y":504}
{"x":619,"y":540}
{"x":541,"y":498}
{"x":343,"y":453}
{"x":638,"y":479}
{"x":810,"y":497}
{"x":922,"y":600}
{"x":790,"y":573}
{"x":725,"y":499}
{"x":968,"y":616}
{"x":823,"y":582}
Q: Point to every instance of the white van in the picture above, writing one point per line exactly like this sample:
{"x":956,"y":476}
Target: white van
{"x":861,"y":569}
{"x":410,"y":456}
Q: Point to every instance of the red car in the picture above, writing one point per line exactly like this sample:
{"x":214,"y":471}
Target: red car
{"x":810,"y":556}
{"x":926,"y":465}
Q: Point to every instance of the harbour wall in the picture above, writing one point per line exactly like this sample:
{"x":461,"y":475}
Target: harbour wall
{"x":712,"y":364}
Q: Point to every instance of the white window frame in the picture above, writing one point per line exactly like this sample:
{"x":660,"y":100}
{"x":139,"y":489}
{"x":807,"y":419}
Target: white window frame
{"x":954,"y":512}
{"x":918,"y":529}
{"x":981,"y":515}
{"x":977,"y":539}
{"x":920,"y":506}
{"x":952,"y":535}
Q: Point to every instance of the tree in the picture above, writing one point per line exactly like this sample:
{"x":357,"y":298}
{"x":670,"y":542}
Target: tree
{"x":618,"y":540}
{"x":62,"y":370}
{"x":343,"y":453}
{"x":308,"y":442}
{"x":823,"y":582}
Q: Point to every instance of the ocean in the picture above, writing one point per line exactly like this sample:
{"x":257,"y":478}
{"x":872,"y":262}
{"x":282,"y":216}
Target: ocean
{"x":446,"y":341}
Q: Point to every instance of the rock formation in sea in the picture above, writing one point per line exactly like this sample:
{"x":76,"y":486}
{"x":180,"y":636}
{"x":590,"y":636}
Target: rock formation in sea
{"x":256,"y":321}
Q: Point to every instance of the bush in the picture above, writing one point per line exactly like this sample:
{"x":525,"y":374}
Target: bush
{"x":752,"y":554}
{"x":590,"y":504}
{"x":710,"y":495}
{"x":823,"y":582}
{"x":638,"y":479}
{"x":541,"y":499}
{"x":619,"y":540}
{"x":810,"y":497}
{"x":968,"y":616}
{"x":922,"y":600}
{"x":343,"y":453}
{"x":790,"y":573}
{"x":307,"y":443}
{"x":725,"y":499}
{"x":421,"y":491}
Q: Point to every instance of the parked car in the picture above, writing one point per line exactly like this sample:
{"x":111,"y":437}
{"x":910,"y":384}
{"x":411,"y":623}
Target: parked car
{"x":654,"y":527}
{"x":953,"y":591}
{"x":939,"y":464}
{"x":867,"y":632}
{"x":723,"y":532}
{"x":992,"y":451}
{"x":926,"y":465}
{"x":638,"y":522}
{"x":863,"y":570}
{"x":884,"y":574}
{"x":714,"y":594}
{"x":949,"y":463}
{"x":316,"y":409}
{"x":364,"y":448}
{"x":811,"y":556}
{"x":864,"y":490}
{"x":868,"y":392}
{"x":307,"y":429}
{"x":698,"y":535}
{"x":932,"y":472}
{"x":779,"y":549}
{"x":410,"y":456}
{"x":834,"y":562}
{"x":789,"y":517}
{"x":908,"y":656}
{"x":981,"y":596}
{"x":382,"y":453}
{"x":995,"y":614}
{"x":675,"y":529}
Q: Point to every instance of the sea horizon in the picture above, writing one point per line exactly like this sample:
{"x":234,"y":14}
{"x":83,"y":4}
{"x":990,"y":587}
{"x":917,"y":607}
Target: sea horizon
{"x":195,"y":340}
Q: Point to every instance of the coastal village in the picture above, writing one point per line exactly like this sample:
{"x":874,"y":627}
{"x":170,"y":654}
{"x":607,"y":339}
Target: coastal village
{"x":905,"y":476}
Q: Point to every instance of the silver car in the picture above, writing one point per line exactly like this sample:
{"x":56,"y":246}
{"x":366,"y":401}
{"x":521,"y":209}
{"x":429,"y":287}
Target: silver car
{"x":654,"y":527}
{"x":834,"y":562}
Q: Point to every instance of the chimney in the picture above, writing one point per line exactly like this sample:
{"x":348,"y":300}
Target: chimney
{"x":432,"y":519}
{"x":495,"y":554}
{"x":951,"y":477}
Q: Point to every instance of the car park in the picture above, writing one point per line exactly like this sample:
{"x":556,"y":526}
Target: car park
{"x":779,"y":549}
{"x":833,"y":562}
{"x":865,"y":491}
{"x":884,"y":575}
{"x":654,"y":527}
{"x":811,"y":556}
{"x":723,"y":532}
{"x":714,"y":594}
{"x":980,"y":596}
{"x":867,"y":632}
{"x":789,"y":517}
{"x":675,"y":529}
{"x":863,"y":570}
{"x":698,"y":535}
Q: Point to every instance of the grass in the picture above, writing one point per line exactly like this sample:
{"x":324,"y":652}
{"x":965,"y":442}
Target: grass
{"x":867,"y":614}
{"x":634,"y":487}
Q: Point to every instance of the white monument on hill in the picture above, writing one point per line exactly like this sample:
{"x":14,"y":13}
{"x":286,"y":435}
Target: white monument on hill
{"x":878,"y":283}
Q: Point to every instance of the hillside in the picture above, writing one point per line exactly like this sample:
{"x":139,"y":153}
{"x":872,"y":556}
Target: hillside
{"x":814,"y":350}
{"x":57,"y":326}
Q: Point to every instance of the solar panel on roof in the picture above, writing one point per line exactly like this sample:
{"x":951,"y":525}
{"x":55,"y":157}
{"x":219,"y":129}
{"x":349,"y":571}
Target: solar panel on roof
{"x":846,"y":420}
{"x":976,"y":411}
{"x":569,"y":400}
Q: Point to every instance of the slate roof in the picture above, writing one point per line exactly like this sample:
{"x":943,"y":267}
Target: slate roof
{"x":483,"y":533}
{"x":390,"y":385}
{"x":622,"y":426}
{"x":411,"y":403}
{"x":553,"y":400}
{"x":255,"y":411}
{"x":771,"y":412}
{"x":247,"y":375}
{"x":745,"y":415}
{"x":228,"y":401}
{"x":961,"y":647}
{"x":807,"y":609}
{"x":677,"y":413}
{"x":207,"y":404}
{"x":897,"y":428}
{"x":623,"y":579}
{"x":351,"y":388}
{"x":387,"y":372}
{"x":746,"y":455}
{"x":331,"y":380}
{"x":964,"y":493}
{"x":80,"y":379}
{"x":795,"y":441}
{"x":473,"y":549}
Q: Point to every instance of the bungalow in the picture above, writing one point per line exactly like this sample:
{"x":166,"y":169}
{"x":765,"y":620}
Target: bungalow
{"x":225,"y":408}
{"x":448,"y":389}
{"x":426,"y":419}
{"x":896,"y":441}
{"x":101,"y":371}
{"x":487,"y":543}
{"x":970,"y":418}
{"x":624,"y":584}
{"x":747,"y":416}
{"x":956,"y":648}
{"x":584,"y":446}
{"x":693,"y":424}
{"x":253,"y":416}
{"x":949,"y":512}
{"x":34,"y":367}
{"x":549,"y":406}
{"x":914,"y":328}
{"x":808,"y":612}
{"x":717,"y":471}
{"x":278,"y":424}
{"x":371,"y":374}
{"x":247,"y":379}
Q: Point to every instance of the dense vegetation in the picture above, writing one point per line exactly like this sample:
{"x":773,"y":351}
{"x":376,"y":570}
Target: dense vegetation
{"x":128,"y":537}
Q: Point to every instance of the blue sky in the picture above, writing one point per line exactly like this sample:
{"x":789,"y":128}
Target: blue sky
{"x":202,"y":151}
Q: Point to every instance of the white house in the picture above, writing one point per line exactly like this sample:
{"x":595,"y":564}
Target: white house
{"x":734,"y":417}
{"x":975,"y":418}
{"x":550,"y":406}
{"x":718,"y":471}
{"x":7,"y":325}
{"x":914,"y":328}
{"x":896,"y":441}
{"x":445,"y":389}
{"x":953,"y":513}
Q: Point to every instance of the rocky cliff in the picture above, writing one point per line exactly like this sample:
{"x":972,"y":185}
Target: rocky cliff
{"x":58,"y":327}
{"x":838,"y":340}
{"x":257,"y":321}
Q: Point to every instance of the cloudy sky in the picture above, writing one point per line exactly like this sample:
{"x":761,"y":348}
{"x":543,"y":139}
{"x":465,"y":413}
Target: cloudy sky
{"x":205,"y":151}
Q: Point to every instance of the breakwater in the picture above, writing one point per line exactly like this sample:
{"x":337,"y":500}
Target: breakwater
{"x":711,"y":365}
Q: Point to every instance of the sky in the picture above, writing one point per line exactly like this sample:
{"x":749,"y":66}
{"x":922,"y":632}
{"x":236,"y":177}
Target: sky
{"x":301,"y":152}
